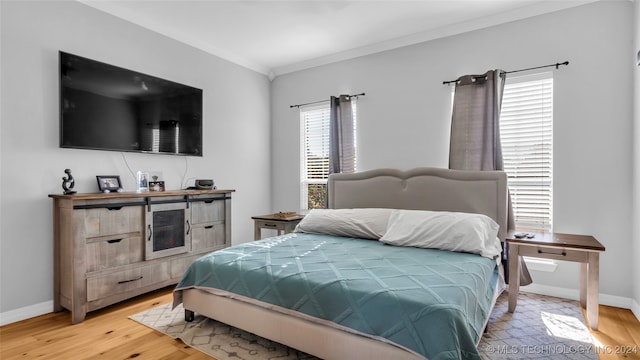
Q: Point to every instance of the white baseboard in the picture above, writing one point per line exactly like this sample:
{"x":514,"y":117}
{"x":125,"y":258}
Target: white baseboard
{"x":635,"y":309}
{"x":46,"y":307}
{"x":574,"y":294}
{"x":26,"y":312}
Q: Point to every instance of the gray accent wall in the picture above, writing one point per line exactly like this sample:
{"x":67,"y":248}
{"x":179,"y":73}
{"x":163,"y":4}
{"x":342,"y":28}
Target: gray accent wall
{"x":404,"y":120}
{"x":236,"y":115}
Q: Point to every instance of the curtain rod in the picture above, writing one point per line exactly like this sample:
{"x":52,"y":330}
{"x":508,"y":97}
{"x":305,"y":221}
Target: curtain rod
{"x":321,"y":101}
{"x":557,"y":65}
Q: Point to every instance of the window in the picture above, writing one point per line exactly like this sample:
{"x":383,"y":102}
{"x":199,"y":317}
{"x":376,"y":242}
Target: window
{"x":314,"y":145}
{"x":526,"y":131}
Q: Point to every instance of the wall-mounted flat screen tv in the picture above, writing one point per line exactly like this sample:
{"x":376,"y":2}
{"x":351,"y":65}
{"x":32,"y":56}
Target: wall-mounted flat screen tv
{"x":105,"y":107}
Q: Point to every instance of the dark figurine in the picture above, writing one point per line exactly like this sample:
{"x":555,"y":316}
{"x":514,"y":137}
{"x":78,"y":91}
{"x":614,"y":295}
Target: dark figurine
{"x":68,"y":183}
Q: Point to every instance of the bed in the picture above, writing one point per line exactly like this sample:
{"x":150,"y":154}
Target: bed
{"x":365,"y":293}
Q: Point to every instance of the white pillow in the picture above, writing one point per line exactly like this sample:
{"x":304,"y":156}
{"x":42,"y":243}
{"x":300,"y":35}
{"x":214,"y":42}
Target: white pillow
{"x":357,"y":223}
{"x":463,"y":232}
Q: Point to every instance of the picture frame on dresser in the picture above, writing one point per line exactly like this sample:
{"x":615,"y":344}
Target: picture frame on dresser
{"x":108,"y":183}
{"x":142,"y":181}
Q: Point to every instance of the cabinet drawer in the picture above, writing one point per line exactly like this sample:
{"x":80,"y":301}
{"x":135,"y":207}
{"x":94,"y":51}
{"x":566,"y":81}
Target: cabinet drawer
{"x":553,"y":253}
{"x":207,"y":211}
{"x":268,"y":224}
{"x":127,"y":280}
{"x":208,"y":236}
{"x":107,"y":253}
{"x":104,"y":222}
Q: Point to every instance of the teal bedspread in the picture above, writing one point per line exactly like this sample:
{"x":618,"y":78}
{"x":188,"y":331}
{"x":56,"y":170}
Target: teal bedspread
{"x":433,"y":302}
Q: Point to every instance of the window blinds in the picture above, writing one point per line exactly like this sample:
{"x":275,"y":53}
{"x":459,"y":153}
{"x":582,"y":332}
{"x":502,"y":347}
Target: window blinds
{"x":314,"y":157}
{"x":315,"y":142}
{"x":526,"y":131}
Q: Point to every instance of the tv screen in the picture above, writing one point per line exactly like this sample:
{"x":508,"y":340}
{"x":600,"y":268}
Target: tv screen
{"x":105,"y":107}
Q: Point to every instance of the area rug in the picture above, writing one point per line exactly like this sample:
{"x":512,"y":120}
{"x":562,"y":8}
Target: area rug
{"x":542,"y":327}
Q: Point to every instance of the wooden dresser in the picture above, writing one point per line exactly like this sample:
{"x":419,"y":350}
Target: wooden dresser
{"x":111,"y":247}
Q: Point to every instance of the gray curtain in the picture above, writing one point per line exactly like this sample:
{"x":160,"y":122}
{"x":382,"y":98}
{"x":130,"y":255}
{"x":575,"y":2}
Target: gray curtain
{"x":342,"y":149}
{"x":475,"y":135}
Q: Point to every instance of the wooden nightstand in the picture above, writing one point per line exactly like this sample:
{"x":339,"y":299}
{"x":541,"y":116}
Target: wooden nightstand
{"x":282,"y":225}
{"x":584,"y":249}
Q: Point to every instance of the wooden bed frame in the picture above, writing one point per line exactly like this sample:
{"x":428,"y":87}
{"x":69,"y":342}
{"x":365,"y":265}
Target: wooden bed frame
{"x":483,"y":192}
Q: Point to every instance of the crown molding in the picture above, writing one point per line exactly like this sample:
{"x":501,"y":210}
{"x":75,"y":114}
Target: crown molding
{"x":112,"y":8}
{"x":450,"y":30}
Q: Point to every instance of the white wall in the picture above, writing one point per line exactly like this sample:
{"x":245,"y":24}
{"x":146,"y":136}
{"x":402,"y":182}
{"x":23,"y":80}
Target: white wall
{"x":636,"y":165}
{"x":236,"y":132}
{"x":404,"y":119}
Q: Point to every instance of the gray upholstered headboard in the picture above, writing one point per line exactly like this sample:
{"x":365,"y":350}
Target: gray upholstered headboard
{"x":435,"y":189}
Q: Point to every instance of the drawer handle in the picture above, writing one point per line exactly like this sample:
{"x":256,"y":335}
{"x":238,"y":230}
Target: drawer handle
{"x":127,"y":281}
{"x":208,"y":201}
{"x":110,"y":208}
{"x":209,"y":227}
{"x":271,"y":225}
{"x":114,"y":241}
{"x":563,"y":253}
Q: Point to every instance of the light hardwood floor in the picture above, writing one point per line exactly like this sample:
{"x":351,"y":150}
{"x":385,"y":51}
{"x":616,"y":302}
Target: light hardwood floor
{"x":109,"y":334}
{"x":618,"y":334}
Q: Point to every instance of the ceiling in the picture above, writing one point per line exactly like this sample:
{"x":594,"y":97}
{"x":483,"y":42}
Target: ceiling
{"x":278,"y":37}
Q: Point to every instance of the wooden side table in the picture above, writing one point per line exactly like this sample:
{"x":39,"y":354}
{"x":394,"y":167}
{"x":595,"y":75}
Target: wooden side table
{"x":584,"y":249}
{"x":282,"y":225}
